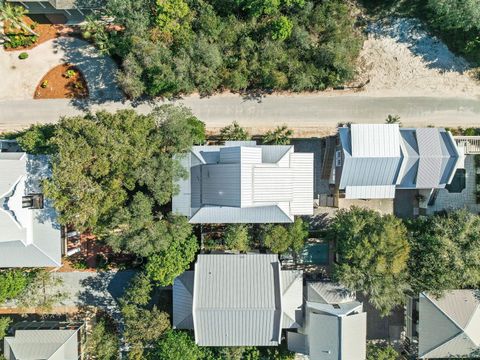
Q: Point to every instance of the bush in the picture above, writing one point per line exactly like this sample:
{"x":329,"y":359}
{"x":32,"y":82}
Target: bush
{"x":44,"y":84}
{"x":23,"y":56}
{"x":19,"y":40}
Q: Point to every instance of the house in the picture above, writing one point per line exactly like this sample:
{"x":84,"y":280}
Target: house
{"x":30,"y":235}
{"x":444,"y":327}
{"x":335,"y":325}
{"x":372,"y":161}
{"x":46,"y":341}
{"x":69,"y":12}
{"x":242,"y":182}
{"x":238,"y":300}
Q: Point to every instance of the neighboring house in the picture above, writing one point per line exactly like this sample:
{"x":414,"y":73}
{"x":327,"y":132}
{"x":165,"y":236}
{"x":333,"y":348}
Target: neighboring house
{"x":34,"y":341}
{"x":373,"y":160}
{"x":30,"y":235}
{"x":335,"y":325}
{"x":242,"y":182}
{"x":238,"y":300}
{"x":446,"y":327}
{"x":69,"y":12}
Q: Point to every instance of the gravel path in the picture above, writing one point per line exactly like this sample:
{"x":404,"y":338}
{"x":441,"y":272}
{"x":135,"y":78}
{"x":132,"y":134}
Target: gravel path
{"x":21,"y":77}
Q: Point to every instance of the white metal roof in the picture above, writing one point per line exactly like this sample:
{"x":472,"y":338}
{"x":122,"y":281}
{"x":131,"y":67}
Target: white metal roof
{"x":380,"y":157}
{"x":29,"y":237}
{"x":245,"y":183}
{"x":375,"y":140}
{"x":236,"y":300}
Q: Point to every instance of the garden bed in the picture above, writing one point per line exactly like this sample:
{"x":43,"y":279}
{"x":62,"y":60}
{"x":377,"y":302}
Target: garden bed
{"x":63,"y":81}
{"x":23,"y":40}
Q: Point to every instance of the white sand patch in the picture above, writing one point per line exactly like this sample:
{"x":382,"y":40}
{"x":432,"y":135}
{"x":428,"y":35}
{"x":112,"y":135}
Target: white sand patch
{"x":399,"y":58}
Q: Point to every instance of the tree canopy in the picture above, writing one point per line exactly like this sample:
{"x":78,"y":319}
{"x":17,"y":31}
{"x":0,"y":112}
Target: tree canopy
{"x":445,"y":252}
{"x":172,"y":47}
{"x":102,"y":342}
{"x":379,"y":352}
{"x":236,"y":237}
{"x":373,"y":251}
{"x":144,"y":324}
{"x":114,"y":172}
{"x":282,"y":238}
{"x":12,"y":283}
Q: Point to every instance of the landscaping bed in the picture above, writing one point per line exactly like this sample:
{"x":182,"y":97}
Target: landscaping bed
{"x":63,"y":81}
{"x":23,"y":40}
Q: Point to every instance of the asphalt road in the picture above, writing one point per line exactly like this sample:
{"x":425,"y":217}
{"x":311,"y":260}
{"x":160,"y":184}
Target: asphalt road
{"x":308,"y":113}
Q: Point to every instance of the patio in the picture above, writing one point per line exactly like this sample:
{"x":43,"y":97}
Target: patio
{"x":465,"y":199}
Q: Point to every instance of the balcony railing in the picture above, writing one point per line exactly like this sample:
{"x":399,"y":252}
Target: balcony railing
{"x":471,"y":144}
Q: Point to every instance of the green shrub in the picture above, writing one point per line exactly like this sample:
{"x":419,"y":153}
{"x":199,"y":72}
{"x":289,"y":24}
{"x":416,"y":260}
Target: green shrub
{"x":23,"y":56}
{"x":44,"y":84}
{"x":19,"y":40}
{"x":70,"y":73}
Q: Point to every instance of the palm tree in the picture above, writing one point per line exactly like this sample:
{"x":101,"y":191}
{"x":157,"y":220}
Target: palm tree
{"x":14,"y":16}
{"x":280,"y":136}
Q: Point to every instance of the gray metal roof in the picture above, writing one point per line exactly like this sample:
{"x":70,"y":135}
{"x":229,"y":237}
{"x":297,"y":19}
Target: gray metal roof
{"x":377,"y":158}
{"x":327,"y":292}
{"x":182,"y":317}
{"x":292,"y":298}
{"x":449,"y":326}
{"x":42,"y":344}
{"x":335,"y":325}
{"x":29,"y":237}
{"x":237,"y":300}
{"x":244,"y":183}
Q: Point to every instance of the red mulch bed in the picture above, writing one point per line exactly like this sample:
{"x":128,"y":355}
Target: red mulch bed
{"x":55,"y":84}
{"x":45,"y":32}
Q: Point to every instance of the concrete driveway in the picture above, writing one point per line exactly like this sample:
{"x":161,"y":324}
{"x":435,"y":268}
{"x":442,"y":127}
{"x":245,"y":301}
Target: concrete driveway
{"x":19,"y":78}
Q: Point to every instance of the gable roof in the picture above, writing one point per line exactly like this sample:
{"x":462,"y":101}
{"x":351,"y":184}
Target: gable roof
{"x":182,"y":317}
{"x":378,"y":158}
{"x":42,"y":344}
{"x":29,"y":237}
{"x":292,"y":299}
{"x":241,"y":182}
{"x":236,"y":300}
{"x":449,"y":326}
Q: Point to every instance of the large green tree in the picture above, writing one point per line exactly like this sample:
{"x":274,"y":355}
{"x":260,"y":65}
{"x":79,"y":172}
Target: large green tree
{"x":102,"y":342}
{"x":236,"y":237}
{"x":282,"y":238}
{"x":144,"y":323}
{"x":178,"y":345}
{"x":445,"y":252}
{"x":113,"y":172}
{"x":175,"y":257}
{"x":373,"y":251}
{"x":12,"y":283}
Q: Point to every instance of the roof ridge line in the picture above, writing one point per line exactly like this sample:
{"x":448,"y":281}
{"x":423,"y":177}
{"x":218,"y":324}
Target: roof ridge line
{"x":444,"y":313}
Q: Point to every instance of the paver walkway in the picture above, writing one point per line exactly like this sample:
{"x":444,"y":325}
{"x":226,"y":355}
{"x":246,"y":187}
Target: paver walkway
{"x":19,"y":78}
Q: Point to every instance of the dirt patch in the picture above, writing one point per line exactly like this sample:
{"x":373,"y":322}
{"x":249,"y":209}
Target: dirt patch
{"x":45,"y":32}
{"x":400,"y":58}
{"x":63,"y":81}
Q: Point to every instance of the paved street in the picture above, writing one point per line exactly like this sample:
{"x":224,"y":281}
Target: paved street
{"x":308,"y":113}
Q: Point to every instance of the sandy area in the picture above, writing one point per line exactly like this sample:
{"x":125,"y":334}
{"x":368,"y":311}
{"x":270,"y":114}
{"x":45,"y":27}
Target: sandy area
{"x":400,"y":59}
